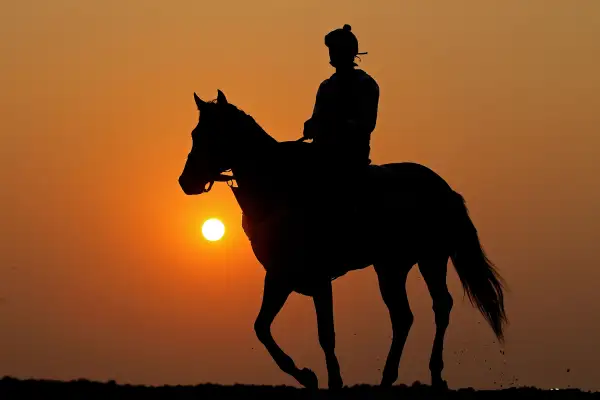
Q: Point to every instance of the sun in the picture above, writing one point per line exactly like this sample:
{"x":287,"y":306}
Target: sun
{"x":213,"y":229}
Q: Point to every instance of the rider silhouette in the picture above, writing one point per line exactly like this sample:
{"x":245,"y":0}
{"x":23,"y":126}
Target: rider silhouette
{"x":343,"y":118}
{"x":345,"y":111}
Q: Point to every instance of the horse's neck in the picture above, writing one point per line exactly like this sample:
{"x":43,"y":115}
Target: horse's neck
{"x":255,"y":192}
{"x":255,"y":136}
{"x":253,"y":171}
{"x":265,"y":169}
{"x":270,"y":178}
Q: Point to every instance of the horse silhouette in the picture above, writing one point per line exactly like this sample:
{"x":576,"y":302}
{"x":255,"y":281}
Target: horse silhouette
{"x":306,"y":231}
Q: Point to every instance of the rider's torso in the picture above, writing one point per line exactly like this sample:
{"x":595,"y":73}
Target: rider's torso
{"x":342,"y":97}
{"x":342,"y":94}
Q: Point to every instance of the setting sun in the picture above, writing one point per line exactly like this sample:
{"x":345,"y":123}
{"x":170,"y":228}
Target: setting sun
{"x":213,"y":229}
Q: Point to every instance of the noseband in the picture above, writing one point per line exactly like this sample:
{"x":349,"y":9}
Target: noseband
{"x":221,"y":177}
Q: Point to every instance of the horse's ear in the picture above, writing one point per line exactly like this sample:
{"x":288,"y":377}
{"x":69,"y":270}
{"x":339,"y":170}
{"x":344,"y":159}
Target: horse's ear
{"x":199,"y":103}
{"x":221,"y":99}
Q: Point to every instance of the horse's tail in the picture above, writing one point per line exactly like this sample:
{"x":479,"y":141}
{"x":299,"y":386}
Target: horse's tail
{"x":479,"y":278}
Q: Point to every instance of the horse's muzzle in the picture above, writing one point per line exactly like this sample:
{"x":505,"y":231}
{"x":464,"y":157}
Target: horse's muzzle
{"x":190,"y":186}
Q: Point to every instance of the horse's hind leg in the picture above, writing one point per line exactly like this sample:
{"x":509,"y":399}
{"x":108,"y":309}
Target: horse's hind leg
{"x":434,"y":271}
{"x":392,"y":284}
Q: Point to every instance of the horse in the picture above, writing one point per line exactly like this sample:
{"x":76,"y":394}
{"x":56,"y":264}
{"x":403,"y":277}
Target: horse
{"x":404,"y":214}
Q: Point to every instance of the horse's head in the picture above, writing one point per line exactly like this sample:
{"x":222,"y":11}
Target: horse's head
{"x":211,"y":145}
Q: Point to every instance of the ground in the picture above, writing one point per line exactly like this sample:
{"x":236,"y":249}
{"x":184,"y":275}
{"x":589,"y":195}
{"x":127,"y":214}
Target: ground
{"x":11,"y":388}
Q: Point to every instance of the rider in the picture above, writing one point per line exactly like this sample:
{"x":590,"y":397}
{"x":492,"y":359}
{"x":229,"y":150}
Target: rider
{"x":345,"y":111}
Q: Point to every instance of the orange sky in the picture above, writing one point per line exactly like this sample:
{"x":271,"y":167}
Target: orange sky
{"x":104,"y":275}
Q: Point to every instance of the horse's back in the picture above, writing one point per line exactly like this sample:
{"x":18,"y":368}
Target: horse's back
{"x":405,"y":178}
{"x":415,"y":171}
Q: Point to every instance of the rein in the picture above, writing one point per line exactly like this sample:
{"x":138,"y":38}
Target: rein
{"x":221,"y":177}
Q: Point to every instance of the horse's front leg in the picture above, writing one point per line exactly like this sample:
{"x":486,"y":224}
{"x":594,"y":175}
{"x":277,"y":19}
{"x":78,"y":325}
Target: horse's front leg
{"x":276,"y":292}
{"x":323,"y":299}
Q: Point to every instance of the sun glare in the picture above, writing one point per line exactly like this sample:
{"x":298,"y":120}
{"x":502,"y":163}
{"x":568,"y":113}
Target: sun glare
{"x":213,"y":229}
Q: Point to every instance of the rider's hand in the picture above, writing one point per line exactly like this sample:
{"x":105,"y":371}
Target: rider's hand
{"x":310,"y":130}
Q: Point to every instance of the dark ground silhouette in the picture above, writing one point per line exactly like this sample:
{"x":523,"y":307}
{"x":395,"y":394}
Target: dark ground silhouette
{"x":11,"y":388}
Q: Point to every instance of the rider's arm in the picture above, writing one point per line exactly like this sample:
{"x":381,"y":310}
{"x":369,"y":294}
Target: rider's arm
{"x":311,"y":125}
{"x":366,"y":119}
{"x":319,"y":101}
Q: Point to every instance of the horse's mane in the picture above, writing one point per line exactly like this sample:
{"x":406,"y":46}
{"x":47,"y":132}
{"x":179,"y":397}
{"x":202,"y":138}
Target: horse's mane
{"x":246,"y":118}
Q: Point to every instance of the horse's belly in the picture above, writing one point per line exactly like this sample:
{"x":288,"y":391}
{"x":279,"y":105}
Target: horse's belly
{"x":379,"y":226}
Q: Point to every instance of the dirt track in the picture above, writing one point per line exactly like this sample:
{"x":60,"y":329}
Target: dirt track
{"x":82,"y":389}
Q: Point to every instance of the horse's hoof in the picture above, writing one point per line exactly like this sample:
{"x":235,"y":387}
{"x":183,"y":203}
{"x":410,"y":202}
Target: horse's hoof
{"x":336,"y":383}
{"x":387,"y":383}
{"x":439,"y":385}
{"x":388,"y":380}
{"x":308,"y":379}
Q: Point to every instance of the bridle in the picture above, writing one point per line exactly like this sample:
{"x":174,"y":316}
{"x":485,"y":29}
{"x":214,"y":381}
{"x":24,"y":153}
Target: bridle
{"x":221,"y":177}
